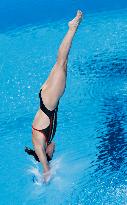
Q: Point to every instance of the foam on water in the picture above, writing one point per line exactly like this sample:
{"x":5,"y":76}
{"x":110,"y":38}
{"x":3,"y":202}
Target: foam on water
{"x":64,"y":177}
{"x":61,"y":174}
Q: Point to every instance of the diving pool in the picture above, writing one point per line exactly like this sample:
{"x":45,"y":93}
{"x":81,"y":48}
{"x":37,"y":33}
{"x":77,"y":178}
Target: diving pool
{"x":89,"y":165}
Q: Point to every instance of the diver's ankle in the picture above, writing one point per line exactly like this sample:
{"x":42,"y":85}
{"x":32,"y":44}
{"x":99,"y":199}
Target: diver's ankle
{"x":72,"y":31}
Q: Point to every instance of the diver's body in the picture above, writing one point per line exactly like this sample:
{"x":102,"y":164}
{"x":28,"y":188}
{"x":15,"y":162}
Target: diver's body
{"x":44,"y":124}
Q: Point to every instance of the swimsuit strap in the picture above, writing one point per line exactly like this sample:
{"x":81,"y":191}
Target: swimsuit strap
{"x":42,"y":132}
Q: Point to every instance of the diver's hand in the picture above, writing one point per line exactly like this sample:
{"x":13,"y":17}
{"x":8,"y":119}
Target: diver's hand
{"x":47,"y":176}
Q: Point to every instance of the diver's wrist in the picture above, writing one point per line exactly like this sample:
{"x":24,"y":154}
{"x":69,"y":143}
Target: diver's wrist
{"x":46,"y":168}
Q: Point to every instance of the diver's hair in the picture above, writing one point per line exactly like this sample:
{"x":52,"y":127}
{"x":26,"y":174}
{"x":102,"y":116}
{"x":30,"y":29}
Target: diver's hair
{"x":29,"y":151}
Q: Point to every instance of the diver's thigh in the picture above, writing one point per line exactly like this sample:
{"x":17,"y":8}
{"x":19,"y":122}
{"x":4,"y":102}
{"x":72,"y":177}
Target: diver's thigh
{"x":57,"y":73}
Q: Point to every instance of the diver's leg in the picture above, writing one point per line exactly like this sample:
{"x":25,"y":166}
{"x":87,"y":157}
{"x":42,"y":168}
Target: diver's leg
{"x":57,"y":77}
{"x":55,"y":85}
{"x":67,"y":41}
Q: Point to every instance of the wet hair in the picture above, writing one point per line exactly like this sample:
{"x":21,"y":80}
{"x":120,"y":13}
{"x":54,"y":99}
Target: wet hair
{"x":31,"y":152}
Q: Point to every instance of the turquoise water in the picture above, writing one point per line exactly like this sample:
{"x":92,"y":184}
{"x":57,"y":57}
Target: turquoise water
{"x":89,"y":165}
{"x":19,"y":13}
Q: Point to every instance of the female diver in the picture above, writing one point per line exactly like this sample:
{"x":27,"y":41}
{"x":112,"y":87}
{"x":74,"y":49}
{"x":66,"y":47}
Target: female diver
{"x":45,"y":121}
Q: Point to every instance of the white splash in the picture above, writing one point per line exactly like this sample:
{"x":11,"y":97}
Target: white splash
{"x":35,"y":171}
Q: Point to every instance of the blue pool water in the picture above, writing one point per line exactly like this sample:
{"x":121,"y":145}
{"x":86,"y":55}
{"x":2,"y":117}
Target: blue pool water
{"x":89,"y":165}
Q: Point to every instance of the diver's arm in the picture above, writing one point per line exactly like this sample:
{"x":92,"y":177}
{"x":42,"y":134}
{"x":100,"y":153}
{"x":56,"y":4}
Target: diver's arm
{"x":40,"y":151}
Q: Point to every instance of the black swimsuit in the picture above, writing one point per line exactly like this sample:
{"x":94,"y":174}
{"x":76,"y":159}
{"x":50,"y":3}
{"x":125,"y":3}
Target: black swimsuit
{"x":49,"y":131}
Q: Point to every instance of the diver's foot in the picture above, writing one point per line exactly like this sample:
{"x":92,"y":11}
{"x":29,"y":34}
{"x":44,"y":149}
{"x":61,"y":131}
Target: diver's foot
{"x":73,"y":25}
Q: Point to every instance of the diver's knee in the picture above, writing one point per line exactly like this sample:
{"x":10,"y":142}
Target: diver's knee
{"x":61,"y":63}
